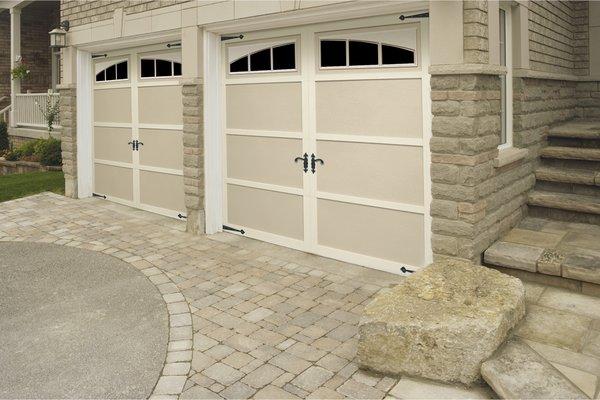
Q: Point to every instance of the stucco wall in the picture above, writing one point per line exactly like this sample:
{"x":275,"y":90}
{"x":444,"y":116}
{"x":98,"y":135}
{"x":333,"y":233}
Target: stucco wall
{"x":558,"y":36}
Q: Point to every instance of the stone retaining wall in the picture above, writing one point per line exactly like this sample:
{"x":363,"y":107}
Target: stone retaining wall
{"x":19,"y":167}
{"x":68,"y":119}
{"x":588,"y":100}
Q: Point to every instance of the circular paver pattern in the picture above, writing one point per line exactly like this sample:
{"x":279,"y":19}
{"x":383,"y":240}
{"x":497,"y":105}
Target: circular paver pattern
{"x":77,"y":324}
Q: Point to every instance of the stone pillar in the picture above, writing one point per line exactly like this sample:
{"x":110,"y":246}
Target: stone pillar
{"x":193,"y":153}
{"x":68,"y":137}
{"x":464,"y":143}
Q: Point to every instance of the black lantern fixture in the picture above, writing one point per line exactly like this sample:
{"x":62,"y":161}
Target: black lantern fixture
{"x":58,"y":36}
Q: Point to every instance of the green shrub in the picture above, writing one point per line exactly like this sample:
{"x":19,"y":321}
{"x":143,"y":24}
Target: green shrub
{"x":48,"y":151}
{"x":4,"y":143}
{"x":27,"y":149}
{"x":13,"y":155}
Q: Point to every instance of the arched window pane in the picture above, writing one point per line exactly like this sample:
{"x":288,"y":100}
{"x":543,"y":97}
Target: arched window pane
{"x":147,"y":68}
{"x":177,"y":69}
{"x":284,"y":57}
{"x":111,"y":73}
{"x":363,"y":53}
{"x":122,"y":70}
{"x":164,"y":68}
{"x":333,"y":53}
{"x":396,"y":55}
{"x":240,"y":65}
{"x":100,"y":76}
{"x":261,"y":60}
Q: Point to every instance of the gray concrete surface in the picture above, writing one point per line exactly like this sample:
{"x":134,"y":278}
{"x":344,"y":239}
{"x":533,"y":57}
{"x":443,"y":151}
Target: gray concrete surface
{"x":77,"y":324}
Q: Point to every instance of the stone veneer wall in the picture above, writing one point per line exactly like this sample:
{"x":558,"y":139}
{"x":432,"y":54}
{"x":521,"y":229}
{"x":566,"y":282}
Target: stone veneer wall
{"x":193,"y":154}
{"x":588,"y":100}
{"x":476,"y":32}
{"x":83,"y":12}
{"x":68,"y":120}
{"x":465,"y":136}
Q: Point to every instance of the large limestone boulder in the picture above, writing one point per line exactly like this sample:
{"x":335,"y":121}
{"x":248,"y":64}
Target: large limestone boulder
{"x":440,"y":323}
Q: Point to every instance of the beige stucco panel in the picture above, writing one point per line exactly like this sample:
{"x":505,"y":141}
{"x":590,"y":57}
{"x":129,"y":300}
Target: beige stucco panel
{"x":377,"y":232}
{"x":112,"y":144}
{"x":162,"y":148}
{"x":113,"y":181}
{"x":370,"y":107}
{"x":373,"y":171}
{"x":267,"y":211}
{"x":263,"y":159}
{"x":160,"y":105}
{"x":112,"y":105}
{"x":446,"y":32}
{"x":251,"y":8}
{"x":162,"y":190}
{"x":265,"y":106}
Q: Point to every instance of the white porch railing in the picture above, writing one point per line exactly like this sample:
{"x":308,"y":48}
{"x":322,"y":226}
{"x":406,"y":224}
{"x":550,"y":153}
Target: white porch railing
{"x":27,"y":112}
{"x":4,"y":114}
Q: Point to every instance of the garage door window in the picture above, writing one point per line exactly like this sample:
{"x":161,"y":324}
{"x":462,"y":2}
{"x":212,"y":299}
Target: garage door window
{"x":391,"y":48}
{"x":274,"y":58}
{"x":159,"y":68}
{"x":115,"y":72}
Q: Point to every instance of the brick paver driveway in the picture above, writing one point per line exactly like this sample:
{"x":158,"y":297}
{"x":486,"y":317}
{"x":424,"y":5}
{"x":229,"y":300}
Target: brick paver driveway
{"x":266,"y":321}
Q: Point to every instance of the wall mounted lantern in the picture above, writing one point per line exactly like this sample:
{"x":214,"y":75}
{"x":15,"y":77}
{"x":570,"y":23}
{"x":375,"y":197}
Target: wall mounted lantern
{"x":58,"y":36}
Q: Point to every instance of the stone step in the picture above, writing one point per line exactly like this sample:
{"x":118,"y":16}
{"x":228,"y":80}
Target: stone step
{"x":568,"y":175}
{"x":565,"y":201}
{"x":571,"y":153}
{"x":577,"y":129}
{"x":516,"y":371}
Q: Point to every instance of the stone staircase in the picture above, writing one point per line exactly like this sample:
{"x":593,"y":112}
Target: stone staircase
{"x":568,"y":177}
{"x":561,"y":235}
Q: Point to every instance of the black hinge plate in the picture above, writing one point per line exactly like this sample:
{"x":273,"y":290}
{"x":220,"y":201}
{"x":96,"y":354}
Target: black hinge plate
{"x":422,"y":15}
{"x":99,"y":195}
{"x":181,"y":216}
{"x":406,"y":270}
{"x":225,"y":38}
{"x":229,"y":228}
{"x":99,"y":56}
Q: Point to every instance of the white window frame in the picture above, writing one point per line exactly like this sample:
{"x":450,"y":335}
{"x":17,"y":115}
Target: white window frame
{"x":506,"y":94}
{"x":172,"y":56}
{"x":269,"y":46}
{"x":118,"y":61}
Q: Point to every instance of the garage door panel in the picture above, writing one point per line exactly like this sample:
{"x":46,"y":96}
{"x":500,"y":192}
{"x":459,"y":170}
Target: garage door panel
{"x":112,"y":105}
{"x":112,"y":144}
{"x":266,"y":160}
{"x":390,"y":107}
{"x":162,"y":190}
{"x":265,"y":106}
{"x":113,"y":181}
{"x":161,"y":148}
{"x":377,"y":232}
{"x":160,"y":105}
{"x":374,"y":171}
{"x":267,"y":211}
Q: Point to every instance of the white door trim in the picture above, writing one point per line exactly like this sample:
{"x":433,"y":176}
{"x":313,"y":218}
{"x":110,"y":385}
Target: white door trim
{"x":84,"y":119}
{"x":215,"y":160}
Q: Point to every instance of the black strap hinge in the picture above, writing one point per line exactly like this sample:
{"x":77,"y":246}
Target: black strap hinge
{"x":181,"y":216}
{"x":422,"y":15}
{"x":406,"y":270}
{"x":229,"y":228}
{"x":98,"y":55}
{"x":99,"y":195}
{"x":225,"y":38}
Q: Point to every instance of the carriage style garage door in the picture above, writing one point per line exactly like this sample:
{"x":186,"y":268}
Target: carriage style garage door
{"x":138,"y":147}
{"x":325,"y":139}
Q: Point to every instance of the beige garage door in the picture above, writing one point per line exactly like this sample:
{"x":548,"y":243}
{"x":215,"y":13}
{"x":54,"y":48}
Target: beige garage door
{"x":325,"y":140}
{"x":138,"y":140}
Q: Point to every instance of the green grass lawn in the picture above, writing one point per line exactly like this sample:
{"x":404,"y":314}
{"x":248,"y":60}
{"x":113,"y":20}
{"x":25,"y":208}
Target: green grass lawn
{"x":14,"y":186}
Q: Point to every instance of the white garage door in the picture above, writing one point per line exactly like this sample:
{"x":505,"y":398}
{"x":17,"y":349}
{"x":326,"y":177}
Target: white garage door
{"x":138,"y":145}
{"x":325,"y":140}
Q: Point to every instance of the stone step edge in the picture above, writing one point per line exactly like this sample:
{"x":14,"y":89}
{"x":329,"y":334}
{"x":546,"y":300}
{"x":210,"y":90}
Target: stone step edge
{"x":581,"y":266}
{"x":565,"y":201}
{"x":571,"y":153}
{"x":576,"y":130}
{"x":516,"y":371}
{"x":567,"y":175}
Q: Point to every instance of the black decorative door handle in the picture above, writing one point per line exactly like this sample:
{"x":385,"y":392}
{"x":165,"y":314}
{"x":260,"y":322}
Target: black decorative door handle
{"x":304,"y":160}
{"x":313,"y":162}
{"x":132,"y":145}
{"x":137,"y":145}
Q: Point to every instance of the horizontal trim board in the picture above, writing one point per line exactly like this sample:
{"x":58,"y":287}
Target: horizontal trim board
{"x":257,"y":133}
{"x":364,"y":260}
{"x":113,"y":163}
{"x":390,"y":205}
{"x":166,"y":127}
{"x":366,"y":76}
{"x":157,"y":83}
{"x":265,"y":186}
{"x":268,"y":237}
{"x":161,"y":170}
{"x":263,"y":79}
{"x":113,"y":86}
{"x":113,"y":124}
{"x":333,"y":137}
